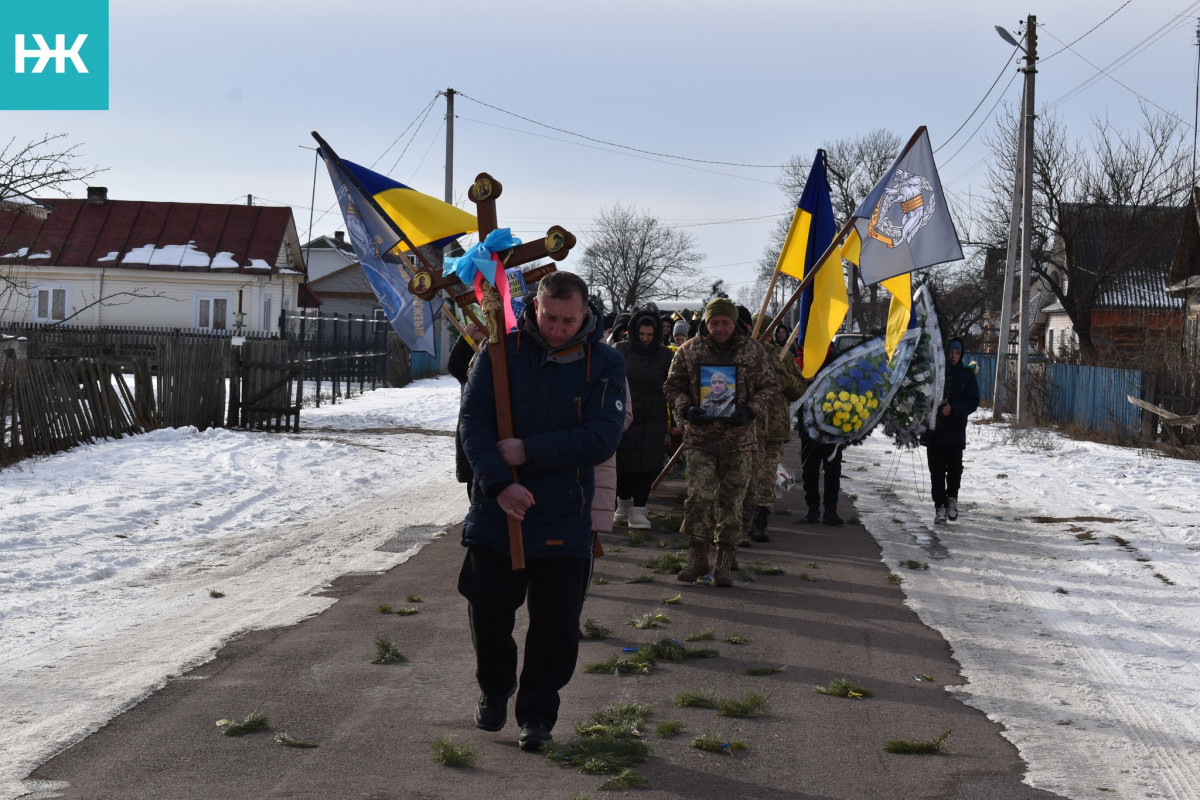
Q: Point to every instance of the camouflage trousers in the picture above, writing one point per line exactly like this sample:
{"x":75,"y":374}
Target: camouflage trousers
{"x":716,"y":488}
{"x":761,"y":491}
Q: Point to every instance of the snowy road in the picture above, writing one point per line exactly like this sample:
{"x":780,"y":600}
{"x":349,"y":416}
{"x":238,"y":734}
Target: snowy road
{"x":1068,"y":590}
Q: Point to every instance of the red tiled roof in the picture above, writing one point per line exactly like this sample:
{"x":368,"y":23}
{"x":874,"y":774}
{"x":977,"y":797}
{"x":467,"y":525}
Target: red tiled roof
{"x":132,"y":234}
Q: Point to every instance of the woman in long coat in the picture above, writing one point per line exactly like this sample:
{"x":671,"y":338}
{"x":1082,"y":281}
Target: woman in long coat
{"x":640,"y":455}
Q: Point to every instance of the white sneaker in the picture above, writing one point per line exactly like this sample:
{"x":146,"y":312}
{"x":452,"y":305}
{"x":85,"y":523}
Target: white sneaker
{"x":621,"y":516}
{"x":952,"y":507}
{"x":638,"y":518}
{"x":939,"y":515}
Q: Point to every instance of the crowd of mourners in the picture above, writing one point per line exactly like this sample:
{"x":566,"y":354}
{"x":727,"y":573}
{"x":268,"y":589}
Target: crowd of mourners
{"x":600,"y":406}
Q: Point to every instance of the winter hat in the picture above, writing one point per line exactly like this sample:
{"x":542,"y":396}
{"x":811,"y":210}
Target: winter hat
{"x":767,"y":319}
{"x":681,"y":327}
{"x":722,"y":306}
{"x":955,"y":344}
{"x":744,"y":317}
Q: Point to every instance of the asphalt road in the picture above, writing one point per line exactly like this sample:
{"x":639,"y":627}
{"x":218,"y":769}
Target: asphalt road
{"x":832,"y":614}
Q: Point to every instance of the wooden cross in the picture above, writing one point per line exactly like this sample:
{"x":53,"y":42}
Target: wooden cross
{"x":426,"y":283}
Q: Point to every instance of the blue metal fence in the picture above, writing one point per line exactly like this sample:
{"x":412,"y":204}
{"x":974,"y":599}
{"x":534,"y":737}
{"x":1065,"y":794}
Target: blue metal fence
{"x":1094,"y":398}
{"x":1090,"y":397}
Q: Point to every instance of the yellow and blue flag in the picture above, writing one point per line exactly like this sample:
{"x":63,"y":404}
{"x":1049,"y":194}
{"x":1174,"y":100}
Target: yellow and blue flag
{"x":376,"y":210}
{"x":823,"y":304}
{"x":903,"y":224}
{"x":425,"y":220}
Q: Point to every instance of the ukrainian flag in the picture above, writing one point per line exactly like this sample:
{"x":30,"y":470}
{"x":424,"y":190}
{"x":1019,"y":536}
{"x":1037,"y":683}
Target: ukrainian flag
{"x":424,"y":219}
{"x":823,"y":304}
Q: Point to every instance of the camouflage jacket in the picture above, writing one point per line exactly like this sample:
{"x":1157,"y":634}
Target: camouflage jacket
{"x":756,"y":387}
{"x":776,"y":426}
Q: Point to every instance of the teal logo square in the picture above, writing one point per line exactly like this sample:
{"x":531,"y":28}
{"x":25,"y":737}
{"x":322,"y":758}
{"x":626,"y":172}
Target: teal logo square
{"x":53,"y":55}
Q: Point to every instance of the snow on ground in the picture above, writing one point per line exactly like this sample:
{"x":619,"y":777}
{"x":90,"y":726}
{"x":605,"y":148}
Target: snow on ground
{"x":109,"y":552}
{"x":1069,"y":590}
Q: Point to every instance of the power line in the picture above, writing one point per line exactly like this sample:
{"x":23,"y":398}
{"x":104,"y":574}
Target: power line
{"x":982,"y":100}
{"x":1088,"y":33}
{"x":622,"y":146}
{"x":615,"y":152}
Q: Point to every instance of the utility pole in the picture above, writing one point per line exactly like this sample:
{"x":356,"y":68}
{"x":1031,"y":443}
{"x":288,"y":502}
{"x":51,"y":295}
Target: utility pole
{"x":1022,"y":200}
{"x":450,"y":146}
{"x":443,"y":328}
{"x":1026,"y":222}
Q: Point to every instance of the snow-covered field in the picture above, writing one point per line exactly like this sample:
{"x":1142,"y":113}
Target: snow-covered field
{"x":108,"y":554}
{"x":1069,"y":590}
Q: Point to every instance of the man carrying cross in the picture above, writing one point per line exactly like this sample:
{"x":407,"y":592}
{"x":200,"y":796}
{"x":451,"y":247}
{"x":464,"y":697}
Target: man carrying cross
{"x":568,"y":410}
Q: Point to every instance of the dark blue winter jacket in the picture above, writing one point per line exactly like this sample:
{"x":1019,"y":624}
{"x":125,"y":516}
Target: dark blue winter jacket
{"x":962,"y":392}
{"x":569,"y":409}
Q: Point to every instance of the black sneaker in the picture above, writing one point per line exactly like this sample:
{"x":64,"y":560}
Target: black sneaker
{"x":814,"y":515}
{"x":831,"y":517}
{"x":491,"y":712}
{"x":533,"y":736}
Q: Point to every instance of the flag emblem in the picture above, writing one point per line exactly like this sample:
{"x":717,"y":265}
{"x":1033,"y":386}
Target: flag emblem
{"x":906,"y":206}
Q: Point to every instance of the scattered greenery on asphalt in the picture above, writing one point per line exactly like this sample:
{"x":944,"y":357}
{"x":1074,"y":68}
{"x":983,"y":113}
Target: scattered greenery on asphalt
{"x":645,"y":577}
{"x":610,"y":742}
{"x":908,"y":563}
{"x":673,"y":600}
{"x":413,"y":598}
{"x":748,"y":705}
{"x":668,"y":729}
{"x":714,"y":744}
{"x":386,"y":651}
{"x":651,"y":619}
{"x":894,"y":578}
{"x":702,"y":635}
{"x":599,"y":581}
{"x":617,"y":664}
{"x":594,"y":630}
{"x":666,"y":564}
{"x":840,"y":687}
{"x":737,"y":638}
{"x":289,"y":741}
{"x":917,"y":746}
{"x":451,"y":754}
{"x":701,"y":699}
{"x":254,"y":721}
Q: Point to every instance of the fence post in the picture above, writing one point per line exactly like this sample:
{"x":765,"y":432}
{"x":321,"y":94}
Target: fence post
{"x":1150,"y":395}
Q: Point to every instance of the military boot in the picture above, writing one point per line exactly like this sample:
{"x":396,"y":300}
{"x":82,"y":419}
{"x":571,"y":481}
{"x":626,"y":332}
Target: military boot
{"x":723,"y":572}
{"x":758,"y":528}
{"x":697,"y":561}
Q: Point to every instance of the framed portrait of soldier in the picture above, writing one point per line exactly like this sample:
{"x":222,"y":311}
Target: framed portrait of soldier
{"x":718,"y":389}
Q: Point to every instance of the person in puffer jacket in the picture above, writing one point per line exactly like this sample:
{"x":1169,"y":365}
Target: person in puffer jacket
{"x":568,"y":410}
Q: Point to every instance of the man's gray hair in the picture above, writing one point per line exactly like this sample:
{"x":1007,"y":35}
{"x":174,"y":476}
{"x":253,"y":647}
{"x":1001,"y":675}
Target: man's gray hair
{"x":561,"y":285}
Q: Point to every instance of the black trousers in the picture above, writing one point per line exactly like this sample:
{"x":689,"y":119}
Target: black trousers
{"x":636,"y":485}
{"x":945,"y":471}
{"x":552,"y":590}
{"x":815,"y":457}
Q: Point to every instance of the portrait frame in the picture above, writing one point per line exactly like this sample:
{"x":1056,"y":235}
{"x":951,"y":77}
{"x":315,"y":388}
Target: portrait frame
{"x":723,"y":401}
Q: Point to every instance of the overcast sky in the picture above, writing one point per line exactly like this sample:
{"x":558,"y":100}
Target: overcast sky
{"x":212,"y":101}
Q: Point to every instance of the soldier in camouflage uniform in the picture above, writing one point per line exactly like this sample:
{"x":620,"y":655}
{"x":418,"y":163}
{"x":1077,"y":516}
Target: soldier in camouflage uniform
{"x":774,"y":430}
{"x":720,"y":451}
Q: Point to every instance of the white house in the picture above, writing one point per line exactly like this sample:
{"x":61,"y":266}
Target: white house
{"x":126,"y":263}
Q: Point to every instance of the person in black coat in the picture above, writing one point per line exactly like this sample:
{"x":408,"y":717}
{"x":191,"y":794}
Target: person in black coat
{"x":944,"y":444}
{"x":643,"y":446}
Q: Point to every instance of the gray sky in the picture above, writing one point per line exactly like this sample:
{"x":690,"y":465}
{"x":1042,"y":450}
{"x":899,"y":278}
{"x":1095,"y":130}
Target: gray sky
{"x":212,"y":101}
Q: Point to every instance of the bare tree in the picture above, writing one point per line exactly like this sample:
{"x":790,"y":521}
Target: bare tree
{"x":632,"y":258}
{"x":1102,"y":212}
{"x":39,"y":165}
{"x":855,"y":165}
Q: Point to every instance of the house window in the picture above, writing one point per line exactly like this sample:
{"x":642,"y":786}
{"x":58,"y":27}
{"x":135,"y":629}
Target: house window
{"x":268,"y":322}
{"x":51,"y":304}
{"x":1050,"y":342}
{"x":212,"y":312}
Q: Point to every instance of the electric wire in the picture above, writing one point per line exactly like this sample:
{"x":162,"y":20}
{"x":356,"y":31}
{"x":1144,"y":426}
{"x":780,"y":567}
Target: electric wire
{"x":986,"y":117}
{"x":621,"y":146}
{"x":615,"y":152}
{"x":1104,"y":71}
{"x":982,"y":100}
{"x":420,"y":116}
{"x":1088,"y":33}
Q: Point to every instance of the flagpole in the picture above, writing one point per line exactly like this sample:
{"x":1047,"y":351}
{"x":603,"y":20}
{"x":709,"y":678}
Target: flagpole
{"x":834,"y":245}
